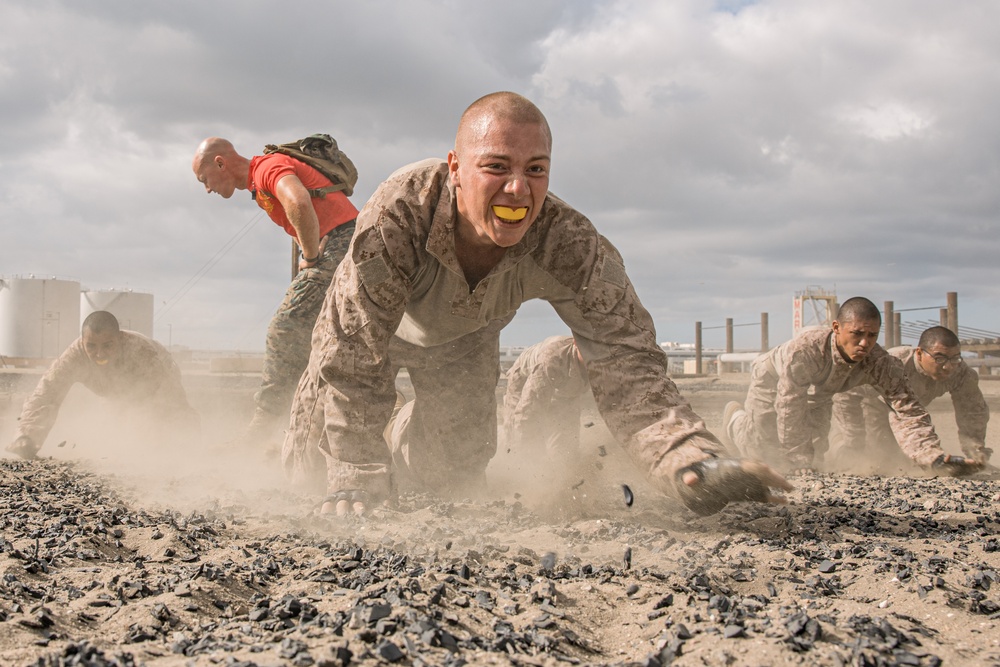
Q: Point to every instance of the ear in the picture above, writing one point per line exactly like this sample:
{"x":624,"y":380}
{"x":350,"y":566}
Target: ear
{"x":453,"y":168}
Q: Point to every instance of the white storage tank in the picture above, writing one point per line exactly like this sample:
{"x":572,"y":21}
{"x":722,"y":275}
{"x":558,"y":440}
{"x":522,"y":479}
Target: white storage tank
{"x":39,"y":317}
{"x":134,"y":310}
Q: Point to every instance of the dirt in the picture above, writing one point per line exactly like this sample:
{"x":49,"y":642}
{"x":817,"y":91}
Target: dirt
{"x":114,"y":555}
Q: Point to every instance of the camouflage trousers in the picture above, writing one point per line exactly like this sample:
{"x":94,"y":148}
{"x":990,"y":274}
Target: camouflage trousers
{"x":557,"y":434}
{"x":442,"y":441}
{"x":289,"y":335}
{"x":755,"y":430}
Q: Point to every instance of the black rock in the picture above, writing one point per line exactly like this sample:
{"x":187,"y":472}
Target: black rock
{"x":732,"y":631}
{"x":390,"y":652}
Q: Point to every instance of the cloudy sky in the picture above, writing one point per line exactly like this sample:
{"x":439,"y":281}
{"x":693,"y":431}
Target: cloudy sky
{"x":735,"y":152}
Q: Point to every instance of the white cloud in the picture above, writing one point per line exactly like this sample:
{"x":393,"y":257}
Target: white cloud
{"x":734,"y":152}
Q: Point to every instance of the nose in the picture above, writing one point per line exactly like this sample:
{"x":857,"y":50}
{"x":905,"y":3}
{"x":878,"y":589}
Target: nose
{"x":517,"y":185}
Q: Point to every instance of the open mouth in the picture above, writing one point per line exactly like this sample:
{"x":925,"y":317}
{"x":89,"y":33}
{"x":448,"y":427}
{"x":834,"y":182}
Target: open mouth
{"x":508,"y":214}
{"x":101,"y":362}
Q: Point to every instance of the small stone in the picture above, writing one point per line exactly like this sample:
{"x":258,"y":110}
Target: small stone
{"x":665,"y":602}
{"x":733,"y":631}
{"x":390,"y":652}
{"x":827,"y":566}
{"x":549,"y":561}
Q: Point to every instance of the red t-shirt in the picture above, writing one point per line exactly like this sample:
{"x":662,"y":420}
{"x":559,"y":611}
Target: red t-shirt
{"x":332,"y":210}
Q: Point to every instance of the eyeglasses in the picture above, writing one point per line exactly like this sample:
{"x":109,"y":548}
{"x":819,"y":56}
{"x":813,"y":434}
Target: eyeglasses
{"x":942,"y":360}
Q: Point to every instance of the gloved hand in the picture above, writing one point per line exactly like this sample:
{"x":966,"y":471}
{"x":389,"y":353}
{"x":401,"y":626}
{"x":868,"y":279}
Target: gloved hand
{"x":956,"y":466}
{"x":709,"y":485}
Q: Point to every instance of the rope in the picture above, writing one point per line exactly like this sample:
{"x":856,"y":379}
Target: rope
{"x":208,"y":266}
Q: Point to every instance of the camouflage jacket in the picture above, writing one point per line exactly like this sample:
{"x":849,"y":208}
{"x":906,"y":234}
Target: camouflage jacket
{"x":402,"y":277}
{"x":810,"y":368}
{"x":971,"y":411}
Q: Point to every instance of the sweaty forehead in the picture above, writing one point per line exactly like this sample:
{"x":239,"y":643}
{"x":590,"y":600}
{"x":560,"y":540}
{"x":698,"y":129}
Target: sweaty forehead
{"x":490,"y":128}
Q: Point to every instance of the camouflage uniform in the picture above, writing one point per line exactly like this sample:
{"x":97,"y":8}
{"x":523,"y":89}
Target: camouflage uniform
{"x":545,"y":388}
{"x":288,"y":335}
{"x":401,"y":299}
{"x":786,"y":417}
{"x":864,"y":419}
{"x":143,"y":378}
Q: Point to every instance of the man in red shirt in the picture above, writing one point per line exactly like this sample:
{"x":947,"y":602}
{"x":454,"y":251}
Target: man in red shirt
{"x":322,"y":227}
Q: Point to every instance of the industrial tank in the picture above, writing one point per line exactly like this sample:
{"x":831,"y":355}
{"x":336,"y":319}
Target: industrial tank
{"x":39,"y":317}
{"x":134,"y":310}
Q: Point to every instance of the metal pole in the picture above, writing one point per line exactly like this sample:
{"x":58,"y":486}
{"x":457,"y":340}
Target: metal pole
{"x":764,"y":344}
{"x":898,"y":336}
{"x":729,"y":344}
{"x":953,"y":311}
{"x":890,"y":325}
{"x":944,"y":317}
{"x":697,"y":348}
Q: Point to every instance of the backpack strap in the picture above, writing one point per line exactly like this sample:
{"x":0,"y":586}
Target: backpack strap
{"x":315,"y":193}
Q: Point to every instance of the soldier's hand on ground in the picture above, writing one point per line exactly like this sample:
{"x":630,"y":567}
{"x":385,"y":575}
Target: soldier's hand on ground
{"x":956,"y":466}
{"x":23,"y":447}
{"x":974,"y":448}
{"x":709,"y":485}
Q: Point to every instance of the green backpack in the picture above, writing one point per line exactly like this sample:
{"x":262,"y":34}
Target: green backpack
{"x":320,"y":152}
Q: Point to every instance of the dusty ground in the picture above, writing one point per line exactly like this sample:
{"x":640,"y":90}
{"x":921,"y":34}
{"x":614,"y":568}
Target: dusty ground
{"x":115,"y":555}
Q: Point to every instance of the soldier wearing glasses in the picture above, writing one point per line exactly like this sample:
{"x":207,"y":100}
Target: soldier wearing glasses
{"x":933,"y":368}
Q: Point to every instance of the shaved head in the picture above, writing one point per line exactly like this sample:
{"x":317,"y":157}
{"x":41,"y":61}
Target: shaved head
{"x":210,"y":148}
{"x":489,"y":109}
{"x":100,"y":321}
{"x":219,"y":167}
{"x":938,"y":336}
{"x":859,"y":309}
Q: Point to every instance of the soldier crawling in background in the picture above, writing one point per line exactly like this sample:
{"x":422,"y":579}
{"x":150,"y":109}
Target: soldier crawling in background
{"x":133,"y":371}
{"x":933,"y":368}
{"x":786,"y":418}
{"x":545,"y":390}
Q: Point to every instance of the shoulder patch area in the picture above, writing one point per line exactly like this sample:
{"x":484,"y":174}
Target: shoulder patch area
{"x":613,"y":271}
{"x":374,"y":271}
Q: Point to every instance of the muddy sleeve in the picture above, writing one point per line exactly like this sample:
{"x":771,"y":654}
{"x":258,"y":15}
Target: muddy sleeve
{"x":371,"y":287}
{"x":791,"y":402}
{"x":148,"y":373}
{"x":849,"y":413}
{"x":908,"y":419}
{"x":627,"y":369}
{"x":41,"y":409}
{"x":971,"y":411}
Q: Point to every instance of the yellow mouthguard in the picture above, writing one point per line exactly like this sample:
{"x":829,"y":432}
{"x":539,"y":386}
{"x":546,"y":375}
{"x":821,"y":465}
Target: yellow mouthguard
{"x":505,"y":213}
{"x":101,"y":362}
